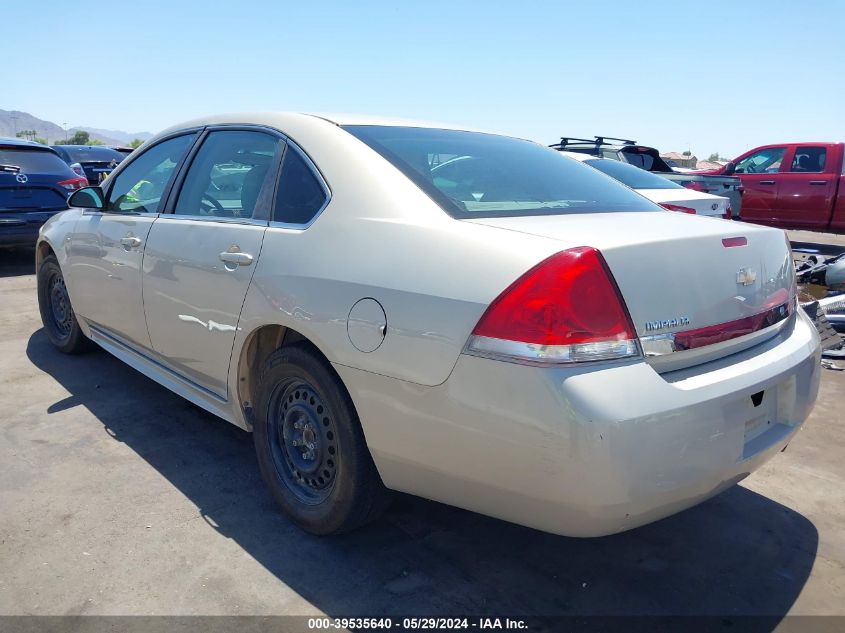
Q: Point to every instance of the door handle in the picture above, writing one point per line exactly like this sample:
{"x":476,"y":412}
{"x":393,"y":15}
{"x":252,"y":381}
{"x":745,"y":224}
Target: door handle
{"x":818,"y":182}
{"x":767,"y":182}
{"x":130,"y":242}
{"x":240,"y":259}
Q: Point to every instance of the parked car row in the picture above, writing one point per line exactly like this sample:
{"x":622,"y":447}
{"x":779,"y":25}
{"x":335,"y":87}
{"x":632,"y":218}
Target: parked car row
{"x":94,"y":162}
{"x":648,"y":158}
{"x":36,"y":180}
{"x":468,"y":317}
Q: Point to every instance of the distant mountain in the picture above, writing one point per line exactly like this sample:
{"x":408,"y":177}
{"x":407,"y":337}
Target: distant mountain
{"x":122,"y":137}
{"x":12,"y":121}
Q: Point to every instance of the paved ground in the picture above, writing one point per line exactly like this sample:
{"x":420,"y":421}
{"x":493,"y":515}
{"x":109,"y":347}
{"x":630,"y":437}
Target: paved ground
{"x":819,"y":238}
{"x":118,"y":497}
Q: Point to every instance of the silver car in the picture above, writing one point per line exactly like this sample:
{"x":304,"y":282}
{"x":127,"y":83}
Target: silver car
{"x":517,"y":334}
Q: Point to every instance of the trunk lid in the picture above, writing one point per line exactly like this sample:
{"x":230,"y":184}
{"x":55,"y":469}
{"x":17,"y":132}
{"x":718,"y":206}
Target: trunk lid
{"x":703,"y":203}
{"x":37,"y":192}
{"x":676,"y":275}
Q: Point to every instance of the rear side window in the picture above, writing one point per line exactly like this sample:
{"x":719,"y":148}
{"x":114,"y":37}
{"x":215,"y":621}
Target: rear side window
{"x":27,"y":161}
{"x":497,"y":176}
{"x":300,"y":195}
{"x":809,"y":160}
{"x":140,"y":186}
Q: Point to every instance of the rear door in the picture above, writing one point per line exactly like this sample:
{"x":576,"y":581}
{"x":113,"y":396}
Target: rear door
{"x":807,"y":188}
{"x":107,"y":247}
{"x":200,"y":258}
{"x":760,"y":172}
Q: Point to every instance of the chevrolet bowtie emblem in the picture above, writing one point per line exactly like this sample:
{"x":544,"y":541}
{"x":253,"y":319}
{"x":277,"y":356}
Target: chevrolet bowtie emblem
{"x":746,"y":276}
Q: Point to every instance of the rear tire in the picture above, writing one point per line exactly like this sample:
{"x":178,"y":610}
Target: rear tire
{"x":57,"y":314}
{"x":311,"y":450}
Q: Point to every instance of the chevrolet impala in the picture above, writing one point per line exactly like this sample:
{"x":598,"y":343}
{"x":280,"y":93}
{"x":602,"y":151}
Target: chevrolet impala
{"x":460,"y":315}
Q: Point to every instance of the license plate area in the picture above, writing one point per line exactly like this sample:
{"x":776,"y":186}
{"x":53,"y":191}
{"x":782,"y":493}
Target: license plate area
{"x":768,"y":417}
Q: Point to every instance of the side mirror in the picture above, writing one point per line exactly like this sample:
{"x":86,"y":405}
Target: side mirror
{"x":730,"y":169}
{"x":87,"y":198}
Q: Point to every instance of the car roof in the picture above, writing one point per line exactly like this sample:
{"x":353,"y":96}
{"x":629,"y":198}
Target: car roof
{"x":279,"y":120}
{"x":87,"y":148}
{"x":20,"y":142}
{"x":17,"y":144}
{"x":581,"y":156}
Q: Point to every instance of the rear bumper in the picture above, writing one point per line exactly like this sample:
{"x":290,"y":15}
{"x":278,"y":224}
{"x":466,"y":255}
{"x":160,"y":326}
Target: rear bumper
{"x":591,"y":451}
{"x":20,"y":228}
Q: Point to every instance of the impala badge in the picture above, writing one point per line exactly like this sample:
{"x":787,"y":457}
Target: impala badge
{"x":662,"y":324}
{"x":746,"y":276}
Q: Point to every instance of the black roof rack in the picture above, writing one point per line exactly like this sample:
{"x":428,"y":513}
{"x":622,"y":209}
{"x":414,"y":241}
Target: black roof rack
{"x":596,"y":140}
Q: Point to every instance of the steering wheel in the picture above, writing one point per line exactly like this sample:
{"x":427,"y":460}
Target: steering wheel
{"x":214,"y":207}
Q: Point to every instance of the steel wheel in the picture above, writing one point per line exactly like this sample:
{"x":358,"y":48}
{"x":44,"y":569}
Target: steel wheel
{"x":310,"y":446}
{"x":57,"y":315}
{"x":60,"y":310}
{"x":303,"y":441}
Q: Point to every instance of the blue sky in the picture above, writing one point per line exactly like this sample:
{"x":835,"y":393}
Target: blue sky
{"x":709,"y":75}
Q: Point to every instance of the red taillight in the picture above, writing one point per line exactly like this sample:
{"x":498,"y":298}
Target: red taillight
{"x":678,"y":208}
{"x":565,"y":309}
{"x":729,"y":213}
{"x":72,"y":184}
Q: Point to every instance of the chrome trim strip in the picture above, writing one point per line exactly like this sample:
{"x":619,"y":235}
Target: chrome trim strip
{"x":662,"y":344}
{"x":212,"y":218}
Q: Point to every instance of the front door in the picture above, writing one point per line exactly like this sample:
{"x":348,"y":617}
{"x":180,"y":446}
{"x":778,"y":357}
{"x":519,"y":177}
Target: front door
{"x":759,"y":172}
{"x":805,"y":195}
{"x":200,"y":259}
{"x":107,"y":247}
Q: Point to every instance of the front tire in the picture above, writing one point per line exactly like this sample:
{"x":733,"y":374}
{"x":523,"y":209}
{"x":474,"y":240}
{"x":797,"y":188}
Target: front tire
{"x":310,"y":446}
{"x":57,"y":314}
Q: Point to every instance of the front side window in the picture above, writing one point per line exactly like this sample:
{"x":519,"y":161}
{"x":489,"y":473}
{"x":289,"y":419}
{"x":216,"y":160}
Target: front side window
{"x":809,"y":160}
{"x":496,"y":176}
{"x":764,"y":161}
{"x":300,"y":195}
{"x":139,"y":188}
{"x":634,"y":177}
{"x":227,"y":175}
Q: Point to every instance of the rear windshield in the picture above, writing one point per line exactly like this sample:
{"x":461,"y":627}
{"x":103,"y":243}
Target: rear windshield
{"x":472,"y":175}
{"x":93,"y":154}
{"x":634,"y":177}
{"x":30,"y":161}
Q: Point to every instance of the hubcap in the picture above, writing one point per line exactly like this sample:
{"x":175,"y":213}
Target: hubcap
{"x":303,"y":441}
{"x":60,"y":306}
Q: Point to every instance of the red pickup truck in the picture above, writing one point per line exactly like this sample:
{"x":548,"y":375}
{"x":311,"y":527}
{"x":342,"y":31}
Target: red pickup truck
{"x":792,"y":185}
